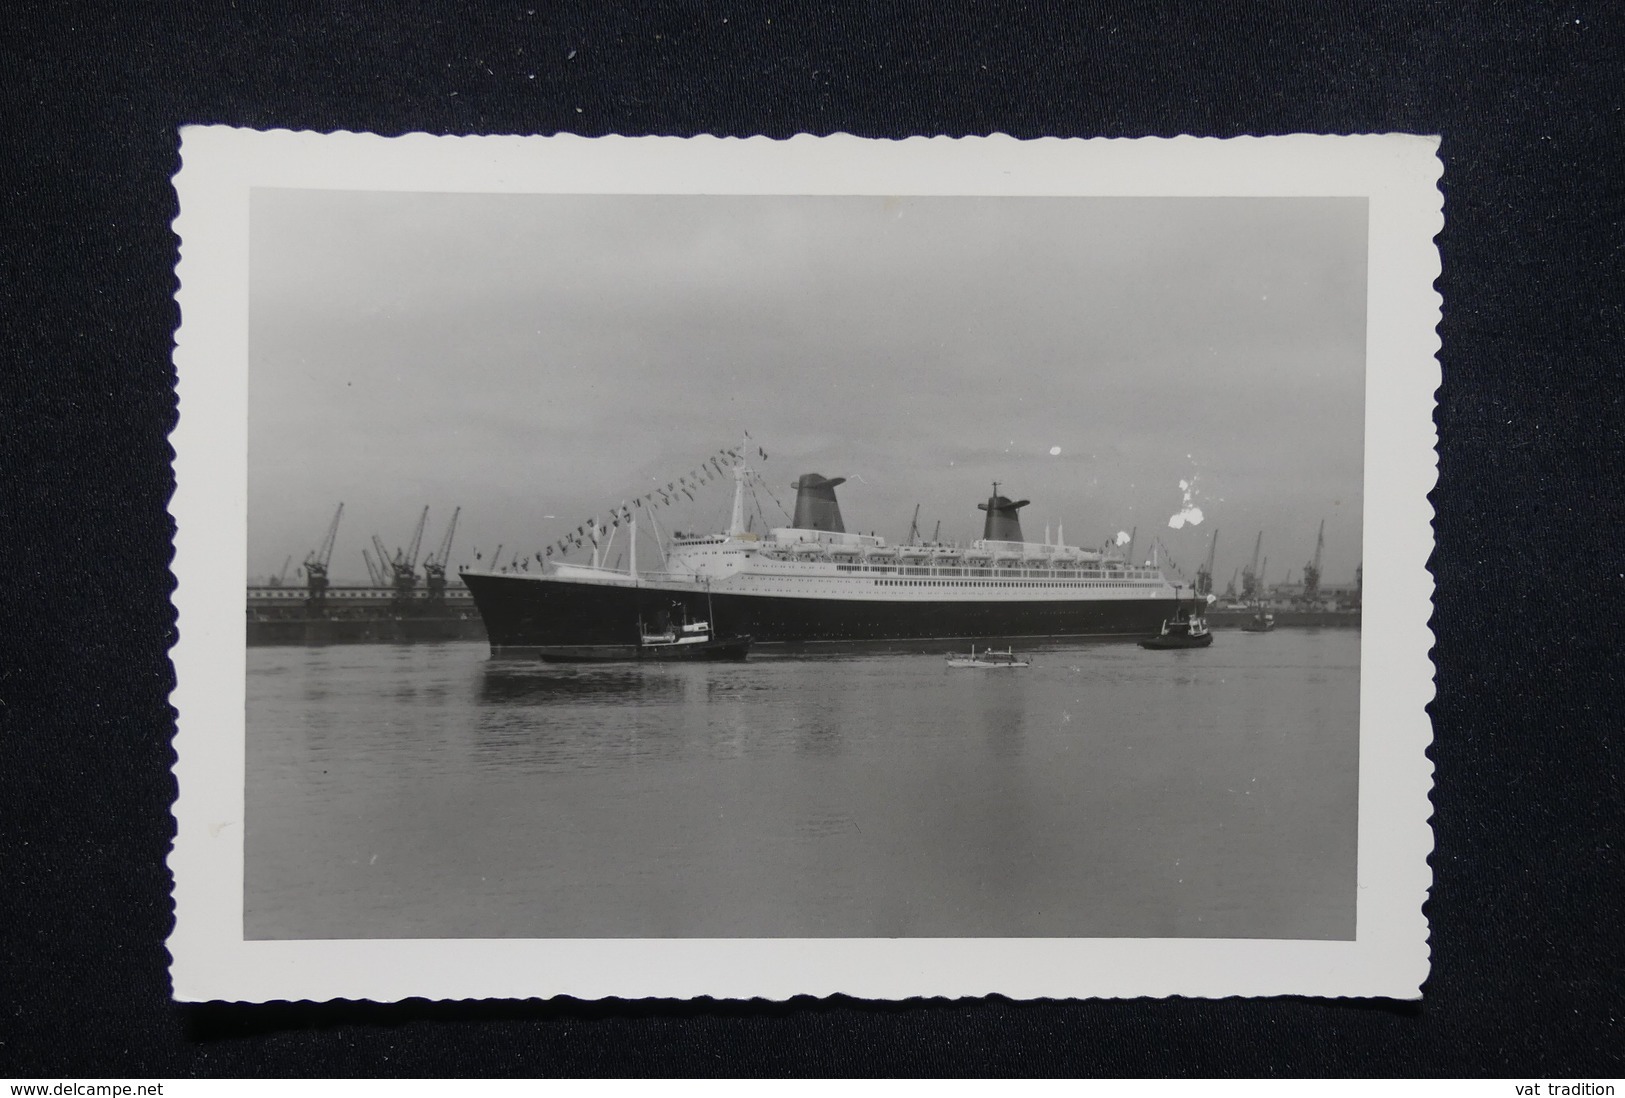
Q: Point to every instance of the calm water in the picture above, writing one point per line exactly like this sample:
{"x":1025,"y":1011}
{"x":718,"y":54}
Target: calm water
{"x":430,"y":791}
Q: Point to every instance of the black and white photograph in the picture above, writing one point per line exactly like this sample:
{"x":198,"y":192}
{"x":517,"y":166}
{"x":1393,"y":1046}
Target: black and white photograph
{"x":818,"y":563}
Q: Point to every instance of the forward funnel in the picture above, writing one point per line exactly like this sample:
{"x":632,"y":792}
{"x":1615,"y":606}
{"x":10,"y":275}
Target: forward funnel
{"x":1002,"y":523}
{"x":816,"y":508}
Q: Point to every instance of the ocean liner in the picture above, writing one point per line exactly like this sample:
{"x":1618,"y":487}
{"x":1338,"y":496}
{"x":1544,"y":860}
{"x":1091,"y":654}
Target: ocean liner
{"x":814,"y":583}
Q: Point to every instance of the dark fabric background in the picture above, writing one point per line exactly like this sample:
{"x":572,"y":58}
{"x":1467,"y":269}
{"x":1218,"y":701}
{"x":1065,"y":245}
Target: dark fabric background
{"x":1526,"y":977}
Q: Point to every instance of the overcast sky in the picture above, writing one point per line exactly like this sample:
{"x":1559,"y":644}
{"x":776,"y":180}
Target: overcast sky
{"x":532,"y":356}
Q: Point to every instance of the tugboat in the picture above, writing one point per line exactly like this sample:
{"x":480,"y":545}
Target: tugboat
{"x":673,"y":638}
{"x":987,"y":657}
{"x":1186,"y":629}
{"x":681,"y":640}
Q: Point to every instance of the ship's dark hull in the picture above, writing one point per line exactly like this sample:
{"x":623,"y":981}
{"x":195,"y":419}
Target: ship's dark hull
{"x":525,"y":614}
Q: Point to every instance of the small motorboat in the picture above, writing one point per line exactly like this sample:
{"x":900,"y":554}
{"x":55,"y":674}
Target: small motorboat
{"x":1186,"y":629}
{"x":987,"y":657}
{"x":1262,"y":621}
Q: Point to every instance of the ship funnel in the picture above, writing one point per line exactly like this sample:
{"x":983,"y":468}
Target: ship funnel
{"x":1002,"y":523}
{"x":816,"y":508}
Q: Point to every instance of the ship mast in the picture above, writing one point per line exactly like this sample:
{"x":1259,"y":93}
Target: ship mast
{"x":742,"y":471}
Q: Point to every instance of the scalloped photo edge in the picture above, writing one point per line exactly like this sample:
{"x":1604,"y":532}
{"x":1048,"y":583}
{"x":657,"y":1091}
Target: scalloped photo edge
{"x":212,"y":958}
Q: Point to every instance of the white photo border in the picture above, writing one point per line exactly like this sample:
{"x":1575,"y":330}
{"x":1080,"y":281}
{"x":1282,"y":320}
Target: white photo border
{"x":1398,"y":174}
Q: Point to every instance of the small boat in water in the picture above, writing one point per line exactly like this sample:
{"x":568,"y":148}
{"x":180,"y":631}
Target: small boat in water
{"x":673,"y":639}
{"x":987,"y":657}
{"x":691,"y":641}
{"x":1186,"y":629}
{"x":1262,"y":621}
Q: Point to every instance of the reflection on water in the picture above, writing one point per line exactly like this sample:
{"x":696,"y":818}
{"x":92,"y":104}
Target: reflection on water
{"x":430,"y":791}
{"x":510,"y":682}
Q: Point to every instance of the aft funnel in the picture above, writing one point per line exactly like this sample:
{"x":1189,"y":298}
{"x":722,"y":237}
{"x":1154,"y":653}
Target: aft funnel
{"x":1002,"y":523}
{"x":816,"y":508}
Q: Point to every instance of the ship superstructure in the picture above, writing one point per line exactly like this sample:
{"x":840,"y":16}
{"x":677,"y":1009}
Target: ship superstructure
{"x":812,"y":582}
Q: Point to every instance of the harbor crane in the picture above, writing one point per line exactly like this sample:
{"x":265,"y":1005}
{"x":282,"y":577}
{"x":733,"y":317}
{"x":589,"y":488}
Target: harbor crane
{"x":914,"y":526}
{"x":374,"y":571}
{"x":382,"y":560}
{"x":317,"y":560}
{"x":403,"y":565}
{"x":1230,"y":591}
{"x":1204,"y":574}
{"x":434,"y":565}
{"x":1252,"y":580}
{"x":1311,"y":571}
{"x":282,"y":576}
